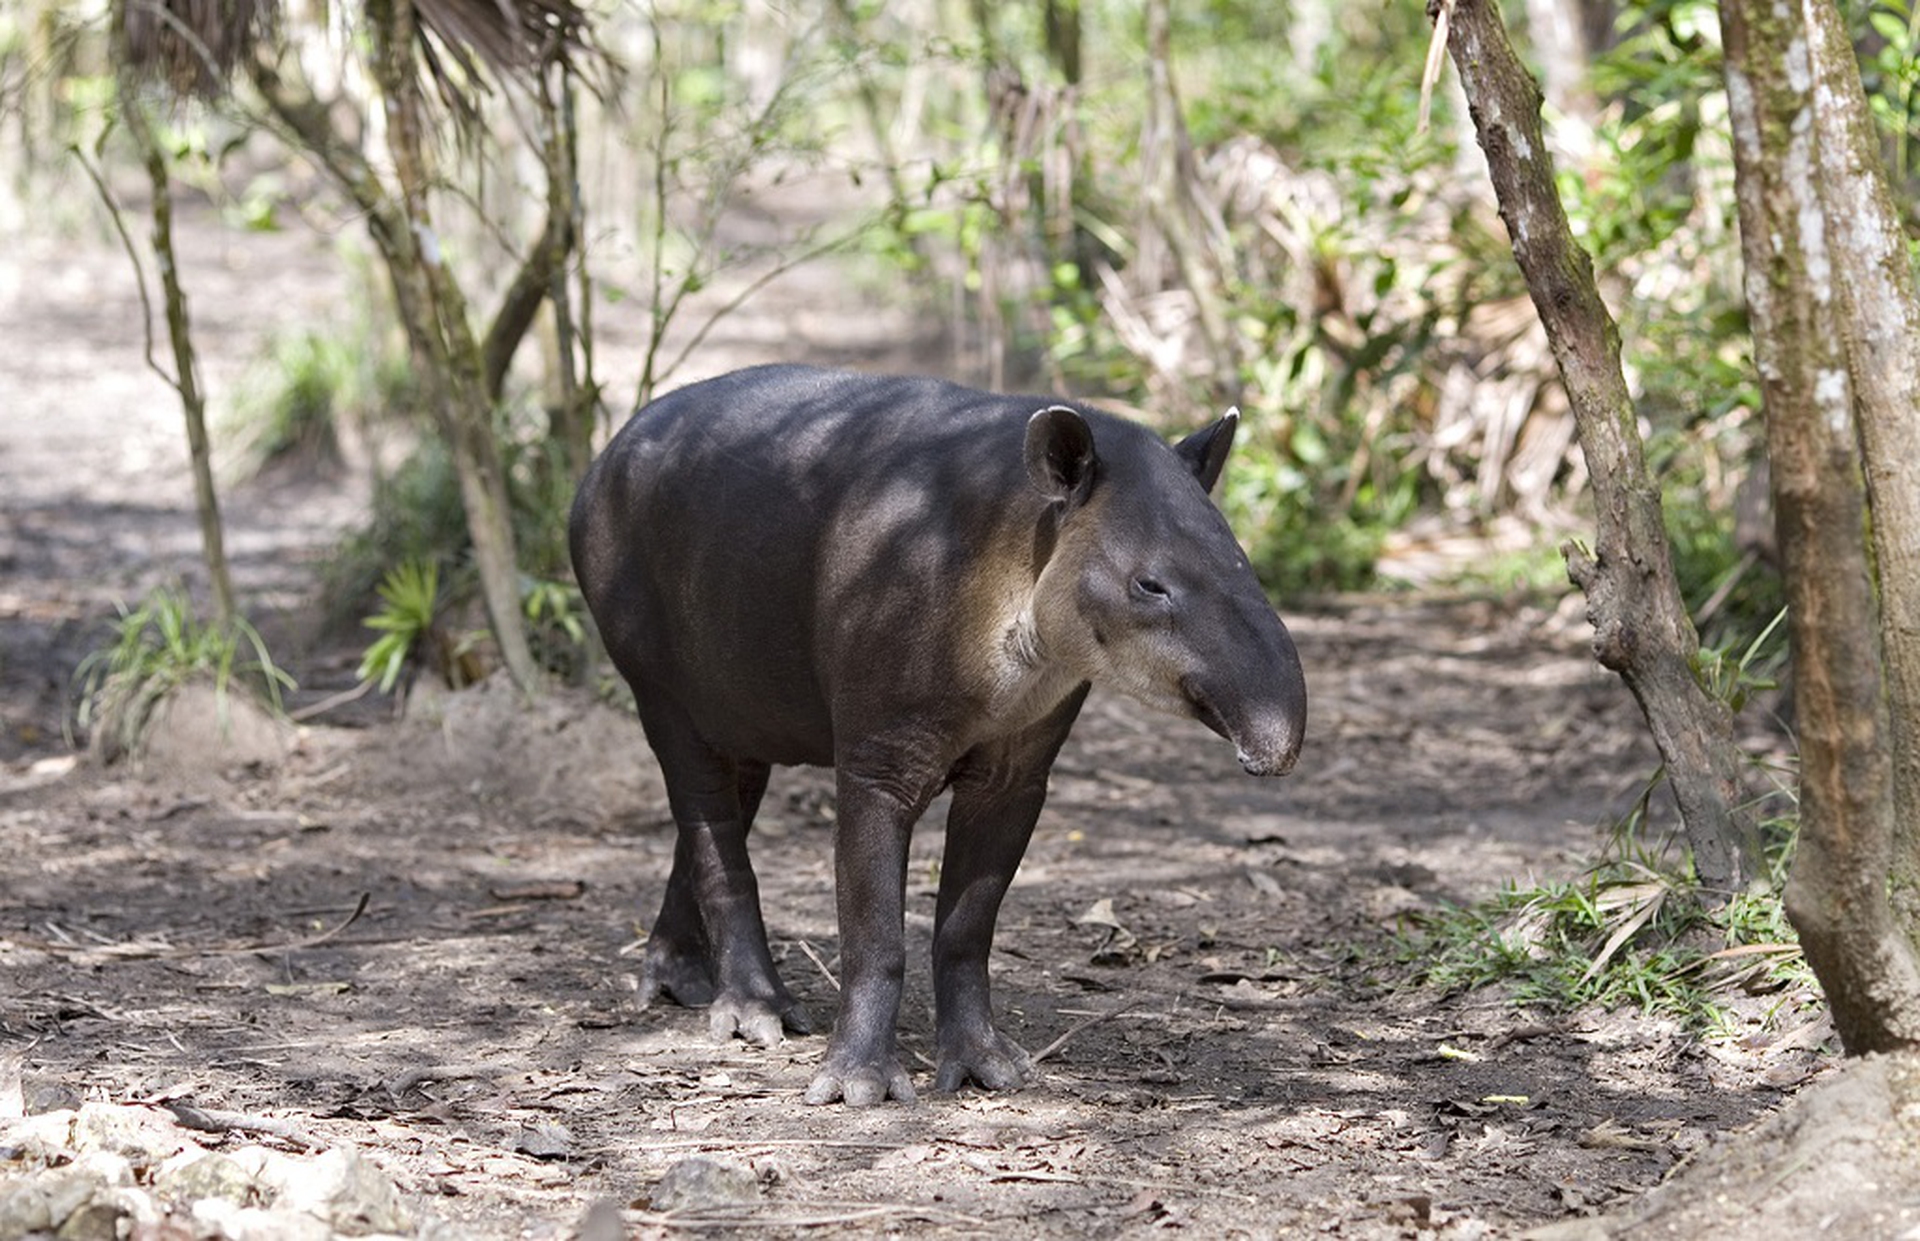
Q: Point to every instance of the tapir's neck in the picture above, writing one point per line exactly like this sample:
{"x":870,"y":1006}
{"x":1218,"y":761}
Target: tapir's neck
{"x":1028,"y":679}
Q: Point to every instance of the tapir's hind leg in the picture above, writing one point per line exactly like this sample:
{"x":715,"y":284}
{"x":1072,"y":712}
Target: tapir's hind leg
{"x":676,"y":957}
{"x":709,"y":944}
{"x":998,"y":790}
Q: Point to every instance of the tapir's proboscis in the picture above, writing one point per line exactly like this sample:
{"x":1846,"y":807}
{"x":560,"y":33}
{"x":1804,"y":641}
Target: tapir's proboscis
{"x":915,"y":584}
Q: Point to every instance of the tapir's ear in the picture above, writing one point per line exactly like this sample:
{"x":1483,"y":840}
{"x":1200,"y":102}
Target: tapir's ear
{"x":1060,"y":459}
{"x":1205,"y":451}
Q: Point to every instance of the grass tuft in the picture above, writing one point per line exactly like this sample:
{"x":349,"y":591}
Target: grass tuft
{"x":1627,"y":933}
{"x":157,"y":647}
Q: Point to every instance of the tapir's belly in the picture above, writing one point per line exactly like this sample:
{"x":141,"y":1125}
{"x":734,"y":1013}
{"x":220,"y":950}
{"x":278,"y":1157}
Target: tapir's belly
{"x":735,"y":651}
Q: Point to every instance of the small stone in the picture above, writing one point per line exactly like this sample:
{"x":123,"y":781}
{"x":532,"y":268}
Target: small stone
{"x":546,"y":1140}
{"x":142,"y":1135}
{"x":700,"y":1183}
{"x":218,"y":1218}
{"x":339,"y":1187}
{"x":198,"y":1174}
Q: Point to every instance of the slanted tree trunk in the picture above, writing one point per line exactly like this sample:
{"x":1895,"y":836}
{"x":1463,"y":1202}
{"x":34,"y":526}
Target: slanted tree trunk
{"x":1641,"y":627}
{"x":435,"y":314}
{"x":185,"y":377}
{"x":1832,"y":304}
{"x":1168,"y":168}
{"x":455,"y":370}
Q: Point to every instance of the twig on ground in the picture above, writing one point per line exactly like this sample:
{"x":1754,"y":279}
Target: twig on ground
{"x":314,"y":941}
{"x":822,"y":965}
{"x":340,"y":699}
{"x":398,"y":1085}
{"x":851,"y":1215}
{"x":702,"y":1144}
{"x":155,"y":950}
{"x":210,"y":1120}
{"x":1077,"y":1029}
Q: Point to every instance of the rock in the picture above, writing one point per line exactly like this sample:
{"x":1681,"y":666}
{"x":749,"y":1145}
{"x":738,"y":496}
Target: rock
{"x":77,"y":1201}
{"x":81,"y":1172}
{"x":339,"y":1187}
{"x":220,"y":1220}
{"x":602,"y":1222}
{"x":196,"y":1174}
{"x":195,"y":729}
{"x":545,"y":1140}
{"x":700,"y":1183}
{"x":143,"y":1136}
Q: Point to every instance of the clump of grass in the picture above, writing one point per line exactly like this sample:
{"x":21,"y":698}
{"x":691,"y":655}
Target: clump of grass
{"x":312,"y":389}
{"x":1627,"y":933}
{"x":158,"y":647}
{"x":410,"y":598}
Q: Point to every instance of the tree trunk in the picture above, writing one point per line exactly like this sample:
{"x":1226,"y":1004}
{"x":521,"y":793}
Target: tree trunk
{"x":435,"y":313}
{"x":1641,"y":627}
{"x":185,"y":377}
{"x":1167,"y":159}
{"x":1793,"y":243}
{"x":1879,"y":312}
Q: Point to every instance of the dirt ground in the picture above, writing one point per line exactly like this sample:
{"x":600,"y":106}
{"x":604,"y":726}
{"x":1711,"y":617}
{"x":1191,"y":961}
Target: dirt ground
{"x":1201,"y":953}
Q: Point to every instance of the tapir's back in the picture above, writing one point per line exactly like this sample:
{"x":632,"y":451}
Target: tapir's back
{"x":740,"y":536}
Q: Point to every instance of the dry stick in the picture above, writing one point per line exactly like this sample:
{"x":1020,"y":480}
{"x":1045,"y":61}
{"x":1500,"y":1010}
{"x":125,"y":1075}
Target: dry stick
{"x":403,"y":1082}
{"x":340,"y":699}
{"x":677,"y":1219}
{"x":1078,"y":1028}
{"x":815,"y":958}
{"x":161,"y":952}
{"x":210,"y":1120}
{"x":703,"y":1144}
{"x":313,"y":941}
{"x":1641,"y":627}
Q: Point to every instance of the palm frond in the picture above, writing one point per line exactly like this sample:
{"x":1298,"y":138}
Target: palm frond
{"x":192,"y":45}
{"x":511,"y":38}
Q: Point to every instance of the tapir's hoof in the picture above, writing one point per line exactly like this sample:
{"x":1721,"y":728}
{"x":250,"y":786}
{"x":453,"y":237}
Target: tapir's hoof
{"x":759,"y":1022}
{"x":993,"y":1063}
{"x":682,"y":977}
{"x":861,"y":1085}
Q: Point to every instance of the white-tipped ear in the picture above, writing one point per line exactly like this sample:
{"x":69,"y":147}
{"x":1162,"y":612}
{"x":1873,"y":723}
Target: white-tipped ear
{"x":1205,"y":451}
{"x":1060,"y":459}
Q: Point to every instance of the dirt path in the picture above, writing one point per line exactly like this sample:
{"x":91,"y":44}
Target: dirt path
{"x":1208,"y":946}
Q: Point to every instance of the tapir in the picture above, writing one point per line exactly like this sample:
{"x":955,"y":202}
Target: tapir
{"x":916,"y":584}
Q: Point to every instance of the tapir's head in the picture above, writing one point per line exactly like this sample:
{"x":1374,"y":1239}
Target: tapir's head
{"x":1145,"y":589}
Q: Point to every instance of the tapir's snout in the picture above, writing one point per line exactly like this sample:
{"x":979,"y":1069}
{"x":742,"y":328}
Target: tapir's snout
{"x":1268,"y":742}
{"x":1263,"y":713}
{"x":1276,"y":761}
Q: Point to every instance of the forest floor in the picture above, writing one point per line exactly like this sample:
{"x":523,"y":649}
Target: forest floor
{"x":1212,"y":955}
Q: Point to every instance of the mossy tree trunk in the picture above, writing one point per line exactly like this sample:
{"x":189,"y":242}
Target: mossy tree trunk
{"x":462,"y":372}
{"x":1641,"y":627}
{"x":1879,"y":320}
{"x":185,"y":376}
{"x":1834,"y":320}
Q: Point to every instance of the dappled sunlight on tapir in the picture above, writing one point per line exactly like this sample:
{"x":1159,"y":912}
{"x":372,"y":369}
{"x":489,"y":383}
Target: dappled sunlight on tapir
{"x":916,"y":584}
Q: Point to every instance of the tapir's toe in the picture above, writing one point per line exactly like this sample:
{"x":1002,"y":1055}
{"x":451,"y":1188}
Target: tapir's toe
{"x":993,"y":1063}
{"x":861,"y":1085}
{"x":756,"y":1021}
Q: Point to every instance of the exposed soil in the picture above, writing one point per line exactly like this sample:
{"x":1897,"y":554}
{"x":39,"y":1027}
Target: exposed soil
{"x":1206,"y":951}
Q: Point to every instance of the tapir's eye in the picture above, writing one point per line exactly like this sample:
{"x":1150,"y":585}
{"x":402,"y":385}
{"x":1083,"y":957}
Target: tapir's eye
{"x":1150,"y":588}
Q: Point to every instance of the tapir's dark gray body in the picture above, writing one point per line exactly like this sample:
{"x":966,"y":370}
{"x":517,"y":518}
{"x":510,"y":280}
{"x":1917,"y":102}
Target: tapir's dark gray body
{"x":914,"y":583}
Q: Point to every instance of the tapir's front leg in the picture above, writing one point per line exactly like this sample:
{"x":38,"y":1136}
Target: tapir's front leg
{"x":998,"y":790}
{"x":876,"y":816}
